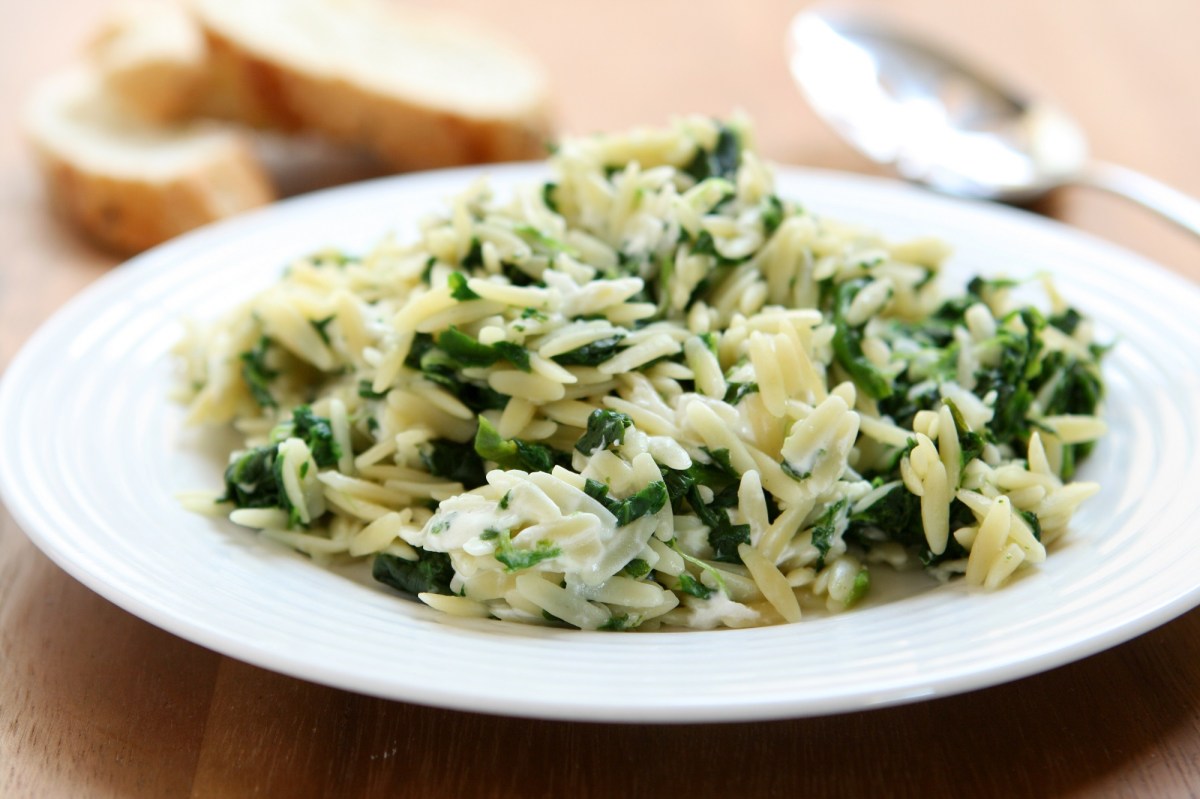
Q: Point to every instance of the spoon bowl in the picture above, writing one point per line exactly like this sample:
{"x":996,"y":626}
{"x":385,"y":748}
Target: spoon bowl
{"x":940,"y":121}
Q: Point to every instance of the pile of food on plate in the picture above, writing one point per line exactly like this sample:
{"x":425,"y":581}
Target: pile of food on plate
{"x":649,"y":392}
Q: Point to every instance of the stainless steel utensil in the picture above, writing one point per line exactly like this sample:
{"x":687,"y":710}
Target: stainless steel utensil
{"x":940,"y":121}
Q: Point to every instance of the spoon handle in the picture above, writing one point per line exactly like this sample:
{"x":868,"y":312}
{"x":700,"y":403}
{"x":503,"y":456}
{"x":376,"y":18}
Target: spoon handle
{"x":1169,"y":203}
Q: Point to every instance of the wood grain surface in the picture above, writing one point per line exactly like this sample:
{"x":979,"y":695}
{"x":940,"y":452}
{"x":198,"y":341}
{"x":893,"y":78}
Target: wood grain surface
{"x":95,"y":702}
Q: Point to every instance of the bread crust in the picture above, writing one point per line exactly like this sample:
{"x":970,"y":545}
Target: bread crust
{"x":265,"y":90}
{"x":131,"y":184}
{"x":128,"y":214}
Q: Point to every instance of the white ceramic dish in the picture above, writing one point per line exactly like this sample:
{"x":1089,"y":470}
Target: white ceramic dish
{"x":92,"y":453}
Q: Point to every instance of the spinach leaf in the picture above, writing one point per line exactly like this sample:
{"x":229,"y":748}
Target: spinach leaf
{"x":719,"y":162}
{"x":543,"y":241}
{"x":548,"y":200}
{"x":321,"y":325}
{"x":690,"y":585}
{"x":592,"y":354}
{"x":736,"y":392}
{"x":1010,"y":378}
{"x":429,"y":574}
{"x":897,"y":514}
{"x":442,"y":457}
{"x":772,"y":215}
{"x":315,"y":431}
{"x":515,"y":354}
{"x":971,"y":443}
{"x":621,"y":621}
{"x":847,"y":345}
{"x":250,"y":479}
{"x":604,"y":429}
{"x":465,"y":349}
{"x":636,"y":569}
{"x":459,"y":289}
{"x":512,"y":453}
{"x":257,"y":375}
{"x":514,"y":558}
{"x":826,"y":528}
{"x":683,"y":486}
{"x":366,"y":391}
{"x":474,"y":257}
{"x":647,"y":501}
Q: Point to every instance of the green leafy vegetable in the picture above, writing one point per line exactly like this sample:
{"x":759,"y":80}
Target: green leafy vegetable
{"x":466,"y":350}
{"x":969,"y":442}
{"x":515,"y":558}
{"x":548,"y":200}
{"x":690,"y":585}
{"x":896,"y":513}
{"x":604,"y":429}
{"x":791,"y":472}
{"x":636,"y":569}
{"x":621,"y":621}
{"x":474,"y":257}
{"x":511,"y":453}
{"x":719,"y":162}
{"x":548,"y":243}
{"x":847,"y":345}
{"x":826,"y":529}
{"x":321,"y":326}
{"x":772,"y":215}
{"x":315,"y":431}
{"x":592,"y":354}
{"x":429,"y":574}
{"x":453,"y":461}
{"x":649,"y":500}
{"x":250,"y":479}
{"x":736,"y":392}
{"x":515,"y":354}
{"x":862,"y":585}
{"x":459,"y":289}
{"x":367,"y":391}
{"x":257,"y":375}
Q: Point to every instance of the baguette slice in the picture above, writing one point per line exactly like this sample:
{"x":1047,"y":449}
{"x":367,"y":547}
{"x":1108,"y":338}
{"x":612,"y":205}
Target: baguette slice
{"x":151,"y":54}
{"x":417,"y":92}
{"x":131,"y":184}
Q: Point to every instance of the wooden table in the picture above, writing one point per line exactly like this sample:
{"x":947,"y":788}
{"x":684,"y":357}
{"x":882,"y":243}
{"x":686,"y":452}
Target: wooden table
{"x":95,"y":702}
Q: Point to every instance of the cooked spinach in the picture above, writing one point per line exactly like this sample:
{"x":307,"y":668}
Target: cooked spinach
{"x":690,"y":585}
{"x":736,"y":392}
{"x":257,"y":375}
{"x":512,"y":453}
{"x":592,"y":354}
{"x":847,"y":345}
{"x":719,"y":162}
{"x":452,"y":460}
{"x":315,"y":431}
{"x":604,"y":429}
{"x":827,"y":528}
{"x":459,"y":289}
{"x":250,"y":479}
{"x":429,"y":574}
{"x":647,"y":501}
{"x":515,"y":558}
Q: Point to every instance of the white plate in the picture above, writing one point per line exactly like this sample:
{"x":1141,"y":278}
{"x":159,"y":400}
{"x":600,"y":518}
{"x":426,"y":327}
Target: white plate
{"x":93,"y":452}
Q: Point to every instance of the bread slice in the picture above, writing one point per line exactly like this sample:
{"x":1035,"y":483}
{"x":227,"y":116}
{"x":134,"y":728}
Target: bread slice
{"x":417,"y":92}
{"x":128,"y":183}
{"x":153,"y":57}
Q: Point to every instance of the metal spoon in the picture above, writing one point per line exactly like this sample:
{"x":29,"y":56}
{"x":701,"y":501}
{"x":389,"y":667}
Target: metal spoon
{"x":942,"y":122}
